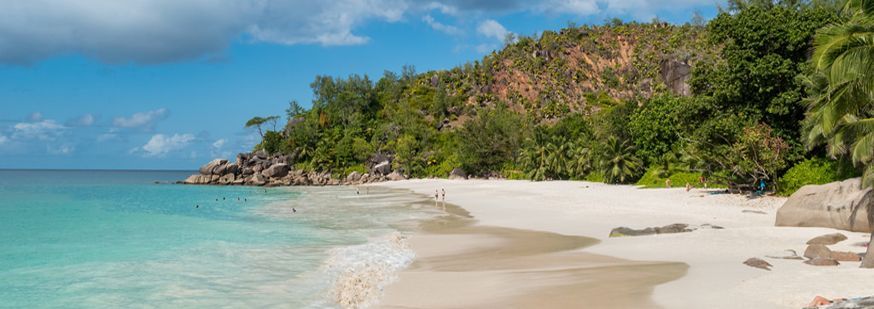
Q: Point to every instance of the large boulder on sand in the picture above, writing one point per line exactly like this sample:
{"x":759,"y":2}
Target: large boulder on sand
{"x":827,"y":239}
{"x":395,"y":176}
{"x":207,"y":169}
{"x":277,"y":170}
{"x":840,"y":205}
{"x":353,"y":177}
{"x":383,"y":168}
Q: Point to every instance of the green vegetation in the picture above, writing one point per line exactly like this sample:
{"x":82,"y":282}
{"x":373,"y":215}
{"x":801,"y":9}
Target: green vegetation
{"x":604,"y":103}
{"x":841,"y":105}
{"x":814,"y":171}
{"x":656,"y":175}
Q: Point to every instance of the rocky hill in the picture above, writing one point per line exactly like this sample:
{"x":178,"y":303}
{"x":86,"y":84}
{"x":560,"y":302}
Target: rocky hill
{"x":580,"y":69}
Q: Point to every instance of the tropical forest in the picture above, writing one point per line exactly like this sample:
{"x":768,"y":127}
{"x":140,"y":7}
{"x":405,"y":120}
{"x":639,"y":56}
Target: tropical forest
{"x":776,"y":92}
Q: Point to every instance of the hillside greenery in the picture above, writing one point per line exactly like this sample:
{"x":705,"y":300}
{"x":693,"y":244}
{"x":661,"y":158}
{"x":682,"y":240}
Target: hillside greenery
{"x":597,"y":103}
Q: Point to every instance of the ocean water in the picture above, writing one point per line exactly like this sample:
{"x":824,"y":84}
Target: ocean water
{"x":117,"y":239}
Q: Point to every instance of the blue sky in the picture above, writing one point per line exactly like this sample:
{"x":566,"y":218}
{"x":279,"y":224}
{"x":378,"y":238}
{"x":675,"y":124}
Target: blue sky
{"x":167,"y":84}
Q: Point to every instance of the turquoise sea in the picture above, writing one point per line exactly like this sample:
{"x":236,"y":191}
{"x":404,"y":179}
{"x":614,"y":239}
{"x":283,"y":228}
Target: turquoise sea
{"x":118,"y":239}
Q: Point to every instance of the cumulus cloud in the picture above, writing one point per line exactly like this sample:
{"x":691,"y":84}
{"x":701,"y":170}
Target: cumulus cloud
{"x":85,"y":120}
{"x":44,"y":130}
{"x":160,"y":145}
{"x":3,"y":139}
{"x":492,"y":29}
{"x":145,"y":120}
{"x":63,"y":149}
{"x":436,"y":25}
{"x":35,"y":116}
{"x":154,"y":31}
{"x":575,"y":7}
{"x":218,"y":144}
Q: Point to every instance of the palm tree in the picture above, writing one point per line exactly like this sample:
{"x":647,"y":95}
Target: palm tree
{"x":581,"y":160}
{"x":618,"y":162}
{"x":534,"y":158}
{"x":841,"y":115}
{"x":558,"y":157}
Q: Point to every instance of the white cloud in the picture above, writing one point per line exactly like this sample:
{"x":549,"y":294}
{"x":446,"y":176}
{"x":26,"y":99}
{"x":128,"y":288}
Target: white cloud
{"x":492,"y":29}
{"x":321,"y":22}
{"x":84,"y":121}
{"x":154,"y":31}
{"x":64,"y":149}
{"x":436,"y":25}
{"x":575,"y":7}
{"x":218,"y":144}
{"x":442,"y":8}
{"x":144,"y":120}
{"x":35,"y":116}
{"x":3,"y":139}
{"x":160,"y":145}
{"x":44,"y":130}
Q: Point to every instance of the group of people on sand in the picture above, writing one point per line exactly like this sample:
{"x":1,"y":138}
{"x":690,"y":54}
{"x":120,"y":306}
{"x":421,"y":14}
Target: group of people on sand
{"x":701,"y":179}
{"x":440,"y":195}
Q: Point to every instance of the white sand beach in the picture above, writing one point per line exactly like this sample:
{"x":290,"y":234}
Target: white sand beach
{"x":716,"y":276}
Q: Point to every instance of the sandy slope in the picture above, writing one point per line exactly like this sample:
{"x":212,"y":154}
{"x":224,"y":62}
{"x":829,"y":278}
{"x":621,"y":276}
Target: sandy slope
{"x":716,"y":277}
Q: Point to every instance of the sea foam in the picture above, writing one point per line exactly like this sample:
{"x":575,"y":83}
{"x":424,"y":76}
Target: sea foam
{"x":361,"y":272}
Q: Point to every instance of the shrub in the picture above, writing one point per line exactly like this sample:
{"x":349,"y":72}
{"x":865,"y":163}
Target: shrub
{"x":655,"y":178}
{"x":814,"y":171}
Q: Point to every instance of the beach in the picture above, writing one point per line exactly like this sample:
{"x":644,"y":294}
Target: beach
{"x":545,"y":244}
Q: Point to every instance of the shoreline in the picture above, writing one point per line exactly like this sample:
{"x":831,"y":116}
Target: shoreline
{"x":716,"y":277}
{"x":460,"y":263}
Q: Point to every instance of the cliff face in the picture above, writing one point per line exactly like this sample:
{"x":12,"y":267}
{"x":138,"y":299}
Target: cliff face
{"x":577,"y":68}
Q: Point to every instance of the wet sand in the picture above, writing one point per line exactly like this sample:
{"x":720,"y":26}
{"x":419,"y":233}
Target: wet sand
{"x":461,"y":264}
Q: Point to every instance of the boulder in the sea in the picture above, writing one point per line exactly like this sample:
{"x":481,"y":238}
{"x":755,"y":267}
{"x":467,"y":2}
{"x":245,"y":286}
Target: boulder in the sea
{"x":840,"y":205}
{"x":667,"y":229}
{"x":817,"y":251}
{"x":199,"y":179}
{"x":256,"y":180}
{"x":207,"y":169}
{"x":822,"y":262}
{"x":827,"y":239}
{"x":277,"y":170}
{"x":227,"y":179}
{"x":758,"y":263}
{"x":396,"y":176}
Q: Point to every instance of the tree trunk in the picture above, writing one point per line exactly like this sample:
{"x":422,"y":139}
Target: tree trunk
{"x":868,"y":261}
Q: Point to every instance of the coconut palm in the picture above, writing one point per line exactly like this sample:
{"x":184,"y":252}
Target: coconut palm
{"x":558,"y":157}
{"x":618,"y":161}
{"x":841,"y":115}
{"x":580,"y":160}
{"x":535,"y":158}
